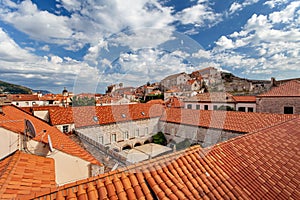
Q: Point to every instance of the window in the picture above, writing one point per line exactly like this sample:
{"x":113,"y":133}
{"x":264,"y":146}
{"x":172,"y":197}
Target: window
{"x":146,"y":131}
{"x":215,"y":107}
{"x":288,"y":110}
{"x":113,"y":138}
{"x":126,"y":135}
{"x":242,"y":109}
{"x":100,"y":139}
{"x":66,"y":129}
{"x":250,"y":109}
{"x":189,"y":106}
{"x":137,"y":132}
{"x":198,"y":107}
{"x":205,"y":107}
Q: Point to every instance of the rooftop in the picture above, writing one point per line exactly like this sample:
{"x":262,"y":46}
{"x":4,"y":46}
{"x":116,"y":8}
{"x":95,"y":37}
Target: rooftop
{"x":23,"y":97}
{"x":13,"y":120}
{"x":23,"y":173}
{"x":244,"y":99}
{"x":288,"y":89}
{"x":212,"y":97}
{"x":95,"y":115}
{"x":227,"y":120}
{"x":259,"y":165}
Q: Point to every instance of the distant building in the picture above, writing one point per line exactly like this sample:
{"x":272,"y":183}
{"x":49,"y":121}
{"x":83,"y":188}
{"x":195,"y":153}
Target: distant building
{"x":245,"y":103}
{"x":176,"y":80}
{"x":210,"y":101}
{"x":283,"y":99}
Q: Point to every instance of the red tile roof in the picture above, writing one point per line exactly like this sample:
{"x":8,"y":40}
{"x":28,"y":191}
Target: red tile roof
{"x":13,"y":119}
{"x":23,"y":97}
{"x":230,"y":120}
{"x":174,"y":102}
{"x":289,"y":89}
{"x":191,"y":82}
{"x":260,"y":165}
{"x":23,"y":173}
{"x":85,"y":115}
{"x":156,"y":101}
{"x":244,"y":99}
{"x":212,"y":97}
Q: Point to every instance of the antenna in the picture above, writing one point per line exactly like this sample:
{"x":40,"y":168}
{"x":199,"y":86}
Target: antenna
{"x":50,"y":143}
{"x":115,"y":166}
{"x":29,"y":129}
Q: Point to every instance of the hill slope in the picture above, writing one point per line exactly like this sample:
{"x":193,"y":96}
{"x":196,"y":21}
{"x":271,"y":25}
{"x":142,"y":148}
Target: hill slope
{"x":13,"y":89}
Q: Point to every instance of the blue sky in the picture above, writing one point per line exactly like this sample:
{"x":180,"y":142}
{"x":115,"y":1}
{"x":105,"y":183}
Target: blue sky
{"x":89,"y":44}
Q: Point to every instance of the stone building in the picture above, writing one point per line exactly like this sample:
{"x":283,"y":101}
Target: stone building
{"x":175,"y":80}
{"x":208,"y":127}
{"x":283,"y":99}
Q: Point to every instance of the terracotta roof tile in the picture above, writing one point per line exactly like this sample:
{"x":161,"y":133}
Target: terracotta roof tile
{"x":230,"y":120}
{"x":244,"y":99}
{"x":13,"y":119}
{"x":288,"y":89}
{"x":212,"y":97}
{"x":94,"y":115}
{"x":23,"y":97}
{"x":156,"y":101}
{"x":241,"y":168}
{"x":85,"y":116}
{"x":23,"y":173}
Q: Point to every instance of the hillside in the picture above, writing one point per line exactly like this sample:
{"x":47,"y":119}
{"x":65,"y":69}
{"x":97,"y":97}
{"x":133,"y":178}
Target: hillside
{"x":13,"y":89}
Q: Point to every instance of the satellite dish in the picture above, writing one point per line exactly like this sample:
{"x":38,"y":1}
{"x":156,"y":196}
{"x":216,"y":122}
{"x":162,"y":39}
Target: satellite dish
{"x":30,"y":130}
{"x":50,"y":143}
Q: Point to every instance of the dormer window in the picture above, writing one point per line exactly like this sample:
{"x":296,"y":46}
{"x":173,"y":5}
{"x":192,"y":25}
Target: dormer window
{"x":123,"y":115}
{"x":143,"y":113}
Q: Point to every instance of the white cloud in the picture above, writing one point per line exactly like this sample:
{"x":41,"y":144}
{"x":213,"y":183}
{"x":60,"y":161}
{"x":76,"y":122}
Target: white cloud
{"x":51,"y":72}
{"x":11,"y":51}
{"x":225,"y":43}
{"x":275,"y":3}
{"x":89,"y":20}
{"x":270,"y":43}
{"x":45,"y":48}
{"x":143,"y":38}
{"x":40,"y":25}
{"x":136,"y":68}
{"x":236,"y":6}
{"x":200,"y":15}
{"x":202,"y":54}
{"x":286,"y":15}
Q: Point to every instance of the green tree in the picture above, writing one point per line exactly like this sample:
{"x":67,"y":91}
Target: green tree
{"x":84,"y":101}
{"x":159,"y":138}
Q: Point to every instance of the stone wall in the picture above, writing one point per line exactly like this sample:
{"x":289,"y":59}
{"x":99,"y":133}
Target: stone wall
{"x":277,"y":104}
{"x":203,"y":136}
{"x":135,"y":129}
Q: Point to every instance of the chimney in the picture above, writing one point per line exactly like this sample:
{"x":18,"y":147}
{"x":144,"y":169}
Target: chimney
{"x":273,"y":82}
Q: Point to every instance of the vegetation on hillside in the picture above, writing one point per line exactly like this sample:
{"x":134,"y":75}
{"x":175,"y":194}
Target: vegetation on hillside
{"x":8,"y":88}
{"x":84,"y":101}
